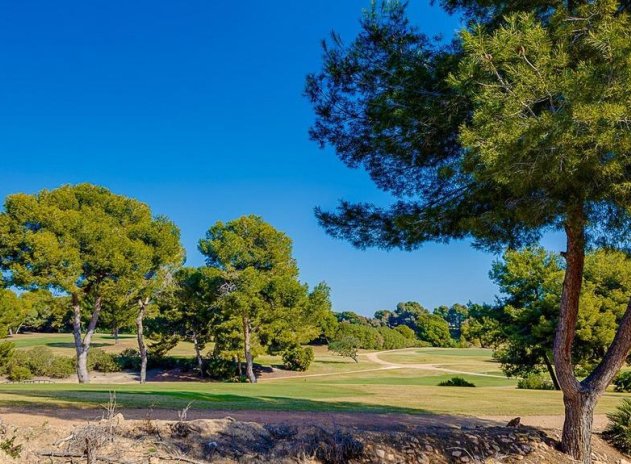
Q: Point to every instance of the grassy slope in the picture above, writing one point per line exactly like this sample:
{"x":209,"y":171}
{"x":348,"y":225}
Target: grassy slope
{"x":344,"y":387}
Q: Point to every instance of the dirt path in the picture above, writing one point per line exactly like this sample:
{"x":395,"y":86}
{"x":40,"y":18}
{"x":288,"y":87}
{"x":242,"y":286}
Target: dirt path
{"x":374,"y":357}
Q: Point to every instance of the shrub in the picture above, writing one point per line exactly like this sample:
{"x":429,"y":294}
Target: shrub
{"x":221,"y":369}
{"x":298,"y":358}
{"x":535,"y":382}
{"x":618,"y":431}
{"x":129,"y":359}
{"x":19,"y":373}
{"x":8,"y":446}
{"x":368,"y":338}
{"x":99,"y":360}
{"x":41,"y":361}
{"x":394,"y":339}
{"x":456,"y":382}
{"x":622,"y":383}
{"x":61,"y":367}
{"x":38,"y":360}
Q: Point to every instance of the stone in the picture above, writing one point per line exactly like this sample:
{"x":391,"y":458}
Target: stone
{"x":456,"y":454}
{"x":381,"y":453}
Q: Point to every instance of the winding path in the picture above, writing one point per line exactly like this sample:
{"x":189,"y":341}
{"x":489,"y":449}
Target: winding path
{"x":387,"y":365}
{"x":374,"y":357}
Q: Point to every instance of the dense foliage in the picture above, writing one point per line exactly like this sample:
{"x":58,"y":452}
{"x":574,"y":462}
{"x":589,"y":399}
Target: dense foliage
{"x":456,"y":382}
{"x":618,"y":430}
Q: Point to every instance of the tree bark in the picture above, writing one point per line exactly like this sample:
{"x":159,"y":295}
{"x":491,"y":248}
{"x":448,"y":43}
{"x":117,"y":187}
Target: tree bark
{"x":115,"y":334}
{"x":247,"y":350}
{"x":238,"y":364}
{"x":580,"y":398}
{"x":82,"y":345}
{"x":198,"y":355}
{"x":553,"y":375}
{"x":576,"y":438}
{"x":577,"y":427}
{"x":140,"y":334}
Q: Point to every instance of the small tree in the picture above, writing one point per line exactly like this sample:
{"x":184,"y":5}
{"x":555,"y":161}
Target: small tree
{"x":346,"y":346}
{"x":260,"y":292}
{"x":80,"y":241}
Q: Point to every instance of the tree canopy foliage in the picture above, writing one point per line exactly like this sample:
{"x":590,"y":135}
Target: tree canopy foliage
{"x":82,"y":241}
{"x":518,"y":127}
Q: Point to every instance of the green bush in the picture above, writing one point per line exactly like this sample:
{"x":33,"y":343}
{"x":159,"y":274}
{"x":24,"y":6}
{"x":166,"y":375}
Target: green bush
{"x":129,"y":359}
{"x":42,"y":362}
{"x":535,"y":382}
{"x":39,"y":360}
{"x":99,"y":360}
{"x":622,"y":382}
{"x":368,"y":338}
{"x":19,"y":373}
{"x":456,"y":382}
{"x":62,"y":367}
{"x":618,"y":431}
{"x":298,"y":358}
{"x":221,"y":369}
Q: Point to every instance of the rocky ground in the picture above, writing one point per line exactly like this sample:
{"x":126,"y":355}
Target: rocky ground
{"x":114,"y":439}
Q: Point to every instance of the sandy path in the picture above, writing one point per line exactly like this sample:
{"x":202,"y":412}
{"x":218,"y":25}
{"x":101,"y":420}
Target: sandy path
{"x":374,"y":357}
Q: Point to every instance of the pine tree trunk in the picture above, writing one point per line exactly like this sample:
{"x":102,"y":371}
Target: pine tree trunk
{"x":577,"y":428}
{"x":247,"y":345}
{"x":553,"y":375}
{"x":140,"y":333}
{"x":198,"y":356}
{"x":115,"y":334}
{"x":237,"y":361}
{"x":82,"y":345}
{"x":580,"y":398}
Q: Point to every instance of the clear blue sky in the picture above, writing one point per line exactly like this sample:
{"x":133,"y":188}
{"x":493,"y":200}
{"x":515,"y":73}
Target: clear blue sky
{"x":196,"y":108}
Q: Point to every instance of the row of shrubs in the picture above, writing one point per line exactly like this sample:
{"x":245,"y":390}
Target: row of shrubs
{"x":20,"y":365}
{"x":380,"y":338}
{"x":40,"y":361}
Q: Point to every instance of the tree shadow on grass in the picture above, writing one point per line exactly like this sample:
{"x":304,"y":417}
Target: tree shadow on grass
{"x":71,"y":345}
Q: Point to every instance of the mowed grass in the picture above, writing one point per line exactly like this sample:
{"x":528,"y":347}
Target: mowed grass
{"x":332,"y":383}
{"x":63,"y":343}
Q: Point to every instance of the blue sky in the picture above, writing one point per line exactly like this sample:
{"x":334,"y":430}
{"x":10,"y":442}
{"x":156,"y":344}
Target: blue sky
{"x":196,"y":108}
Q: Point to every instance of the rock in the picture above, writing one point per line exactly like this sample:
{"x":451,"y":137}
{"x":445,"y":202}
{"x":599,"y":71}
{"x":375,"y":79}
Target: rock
{"x":381,"y":453}
{"x":456,"y":454}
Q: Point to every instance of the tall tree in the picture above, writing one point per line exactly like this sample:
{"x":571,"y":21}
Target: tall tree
{"x":80,"y":241}
{"x":260,"y":289}
{"x":519,"y":127}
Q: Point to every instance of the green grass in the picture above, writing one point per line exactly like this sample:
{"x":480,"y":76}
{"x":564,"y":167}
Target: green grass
{"x":63,"y":344}
{"x":332,"y":383}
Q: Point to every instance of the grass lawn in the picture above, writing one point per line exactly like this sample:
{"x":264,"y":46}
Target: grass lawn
{"x":63,"y":343}
{"x":331,"y":384}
